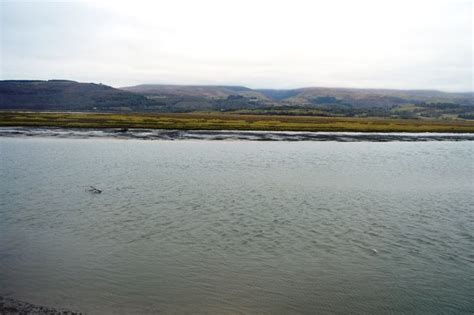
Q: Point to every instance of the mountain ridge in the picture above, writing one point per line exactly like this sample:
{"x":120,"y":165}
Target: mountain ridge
{"x":304,"y":94}
{"x":65,"y":95}
{"x":70,"y":95}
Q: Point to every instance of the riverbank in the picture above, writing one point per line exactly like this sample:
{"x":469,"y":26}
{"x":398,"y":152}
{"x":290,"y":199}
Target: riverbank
{"x":168,"y":134}
{"x":223,"y":121}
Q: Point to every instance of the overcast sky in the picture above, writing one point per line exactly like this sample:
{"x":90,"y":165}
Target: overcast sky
{"x":413,"y":44}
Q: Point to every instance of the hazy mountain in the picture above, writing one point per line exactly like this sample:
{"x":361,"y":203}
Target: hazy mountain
{"x":75,"y":96}
{"x":177,"y":98}
{"x":365,"y":97}
{"x":278,"y":95}
{"x":312,"y":101}
{"x":207,"y":91}
{"x":67,"y":95}
{"x":361,"y":98}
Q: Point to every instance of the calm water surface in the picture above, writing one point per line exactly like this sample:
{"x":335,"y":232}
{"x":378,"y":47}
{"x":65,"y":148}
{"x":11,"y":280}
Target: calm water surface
{"x":238,"y":226}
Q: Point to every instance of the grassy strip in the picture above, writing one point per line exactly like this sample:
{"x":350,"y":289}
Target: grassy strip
{"x":218,"y":121}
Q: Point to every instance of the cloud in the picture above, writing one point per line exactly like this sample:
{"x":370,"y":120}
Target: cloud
{"x":280,"y":43}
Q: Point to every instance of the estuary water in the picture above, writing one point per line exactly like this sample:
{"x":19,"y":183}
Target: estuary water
{"x":202,"y":226}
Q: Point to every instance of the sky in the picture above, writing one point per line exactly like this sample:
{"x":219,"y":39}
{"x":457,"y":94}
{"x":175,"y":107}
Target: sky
{"x":401,"y":44}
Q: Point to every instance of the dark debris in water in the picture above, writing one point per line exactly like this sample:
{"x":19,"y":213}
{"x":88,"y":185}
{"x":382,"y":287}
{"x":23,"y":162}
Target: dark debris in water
{"x":10,"y":306}
{"x":94,"y":190}
{"x":160,"y":134}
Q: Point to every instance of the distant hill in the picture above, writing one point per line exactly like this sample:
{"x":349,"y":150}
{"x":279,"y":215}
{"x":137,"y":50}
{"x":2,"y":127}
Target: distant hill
{"x":201,"y":97}
{"x":365,"y":97}
{"x":359,"y":98}
{"x":207,"y":91}
{"x":316,"y":101}
{"x":67,"y":95}
{"x":278,"y":95}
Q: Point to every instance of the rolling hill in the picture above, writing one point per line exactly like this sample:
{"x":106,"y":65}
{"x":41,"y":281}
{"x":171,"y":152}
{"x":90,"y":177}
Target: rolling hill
{"x":68,"y":95}
{"x":206,"y":91}
{"x":365,"y":97}
{"x":360,"y":98}
{"x":311,"y":101}
{"x":64,"y":95}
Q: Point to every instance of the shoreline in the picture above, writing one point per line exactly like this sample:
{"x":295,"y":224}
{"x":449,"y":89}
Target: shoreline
{"x":226,"y":135}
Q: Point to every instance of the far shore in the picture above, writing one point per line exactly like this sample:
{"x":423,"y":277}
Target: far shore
{"x":227,"y":121}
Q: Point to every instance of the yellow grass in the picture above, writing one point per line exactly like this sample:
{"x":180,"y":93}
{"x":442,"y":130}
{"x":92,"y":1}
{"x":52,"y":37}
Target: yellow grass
{"x":220,"y":121}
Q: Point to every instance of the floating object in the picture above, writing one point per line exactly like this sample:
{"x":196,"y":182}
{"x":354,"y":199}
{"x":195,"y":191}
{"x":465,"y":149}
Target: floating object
{"x":374,"y":251}
{"x":94,"y":190}
{"x":121,"y":130}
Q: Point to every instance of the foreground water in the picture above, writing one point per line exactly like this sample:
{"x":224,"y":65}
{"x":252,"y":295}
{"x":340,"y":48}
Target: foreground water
{"x":238,"y":226}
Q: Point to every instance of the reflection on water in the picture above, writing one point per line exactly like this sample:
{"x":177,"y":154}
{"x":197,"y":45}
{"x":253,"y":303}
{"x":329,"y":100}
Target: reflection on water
{"x":237,"y":226}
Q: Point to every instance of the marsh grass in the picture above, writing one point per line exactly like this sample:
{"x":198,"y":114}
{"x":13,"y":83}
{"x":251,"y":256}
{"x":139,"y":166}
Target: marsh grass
{"x":220,"y":121}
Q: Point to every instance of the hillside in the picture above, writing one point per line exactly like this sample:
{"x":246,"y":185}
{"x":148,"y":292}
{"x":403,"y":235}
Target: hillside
{"x":365,"y":97}
{"x":182,"y":98}
{"x":206,"y":91}
{"x":63,"y":95}
{"x":68,"y":95}
{"x":315,"y":101}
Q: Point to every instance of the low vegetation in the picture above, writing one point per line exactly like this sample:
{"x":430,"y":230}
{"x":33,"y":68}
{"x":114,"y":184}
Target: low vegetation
{"x":226,"y":121}
{"x":420,"y":110}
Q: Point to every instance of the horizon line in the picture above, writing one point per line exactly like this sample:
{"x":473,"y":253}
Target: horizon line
{"x":259,"y":88}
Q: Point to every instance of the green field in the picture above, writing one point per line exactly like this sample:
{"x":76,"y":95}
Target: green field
{"x":223,"y":121}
